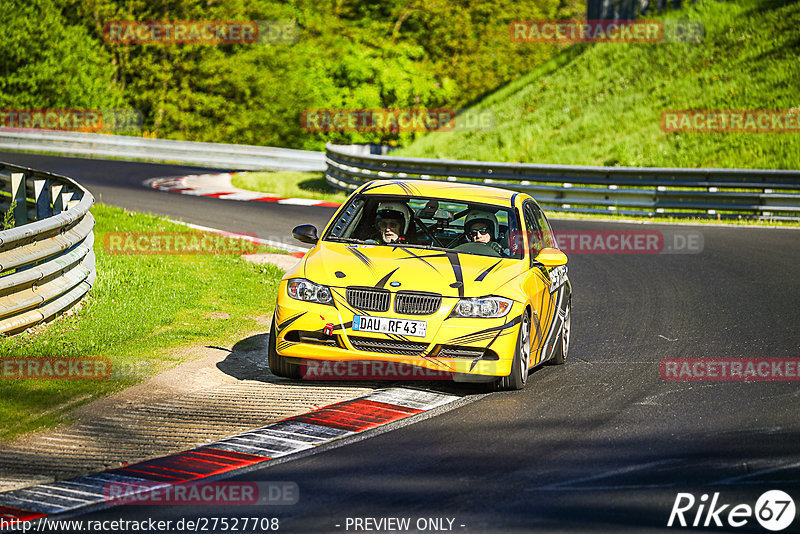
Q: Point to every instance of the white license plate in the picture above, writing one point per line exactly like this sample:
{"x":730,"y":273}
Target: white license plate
{"x":388,"y":325}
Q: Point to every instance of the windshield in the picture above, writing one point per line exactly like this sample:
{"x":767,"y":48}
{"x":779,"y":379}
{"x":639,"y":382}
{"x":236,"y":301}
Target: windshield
{"x":463,"y":227}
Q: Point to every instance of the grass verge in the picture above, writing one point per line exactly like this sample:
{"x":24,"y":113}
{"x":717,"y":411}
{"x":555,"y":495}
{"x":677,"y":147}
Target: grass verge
{"x":601,"y":104}
{"x":140,"y":307}
{"x":289,"y":185}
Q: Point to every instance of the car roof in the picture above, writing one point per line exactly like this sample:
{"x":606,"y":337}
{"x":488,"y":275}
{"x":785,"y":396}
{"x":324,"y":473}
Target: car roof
{"x":440,"y":189}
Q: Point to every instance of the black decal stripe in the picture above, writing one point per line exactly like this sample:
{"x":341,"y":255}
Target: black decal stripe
{"x":494,"y":338}
{"x":538,"y":331}
{"x":455,"y":263}
{"x":509,"y":324}
{"x":348,"y":324}
{"x":551,"y":326}
{"x":421,"y":258}
{"x":407,"y":189}
{"x":289,"y":321}
{"x":435,"y":361}
{"x":548,"y":320}
{"x":487,"y":271}
{"x":360,"y":255}
{"x":344,"y":304}
{"x":284,"y":345}
{"x":482,"y":337}
{"x":382,"y":281}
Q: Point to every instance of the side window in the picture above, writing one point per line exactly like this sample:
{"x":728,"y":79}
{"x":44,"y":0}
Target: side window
{"x":532,"y":230}
{"x":548,"y":238}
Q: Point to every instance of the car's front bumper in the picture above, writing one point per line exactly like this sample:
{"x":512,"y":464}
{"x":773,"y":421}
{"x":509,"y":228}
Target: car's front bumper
{"x":461,"y":347}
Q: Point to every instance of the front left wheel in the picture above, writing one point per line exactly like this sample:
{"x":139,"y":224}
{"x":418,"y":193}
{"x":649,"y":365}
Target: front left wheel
{"x":278,"y":365}
{"x":562,"y":349}
{"x":522,"y":358}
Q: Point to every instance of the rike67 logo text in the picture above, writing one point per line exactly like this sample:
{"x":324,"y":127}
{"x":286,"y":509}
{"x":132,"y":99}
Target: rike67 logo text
{"x":774,"y":510}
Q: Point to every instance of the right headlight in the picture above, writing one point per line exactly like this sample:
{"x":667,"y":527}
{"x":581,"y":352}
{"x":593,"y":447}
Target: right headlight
{"x":308,"y":291}
{"x":483,"y":307}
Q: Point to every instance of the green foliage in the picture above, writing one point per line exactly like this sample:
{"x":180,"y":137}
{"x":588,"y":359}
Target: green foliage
{"x":47,"y":62}
{"x":8,"y":216}
{"x":350,"y":54}
{"x":601,"y":104}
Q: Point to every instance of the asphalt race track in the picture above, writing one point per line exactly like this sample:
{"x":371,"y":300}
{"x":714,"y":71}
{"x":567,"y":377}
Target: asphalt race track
{"x":600,"y":444}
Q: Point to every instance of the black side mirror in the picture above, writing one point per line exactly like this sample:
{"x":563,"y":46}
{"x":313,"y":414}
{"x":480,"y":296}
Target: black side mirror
{"x":306,"y":233}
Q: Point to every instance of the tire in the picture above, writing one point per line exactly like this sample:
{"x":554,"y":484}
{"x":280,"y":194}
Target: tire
{"x":562,"y":349}
{"x":522,"y":358}
{"x":278,"y":365}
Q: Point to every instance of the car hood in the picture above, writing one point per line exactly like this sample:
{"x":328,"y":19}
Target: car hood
{"x":415,"y":269}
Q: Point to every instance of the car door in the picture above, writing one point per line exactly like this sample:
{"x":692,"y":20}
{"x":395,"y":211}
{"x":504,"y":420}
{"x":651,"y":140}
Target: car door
{"x":538,"y":284}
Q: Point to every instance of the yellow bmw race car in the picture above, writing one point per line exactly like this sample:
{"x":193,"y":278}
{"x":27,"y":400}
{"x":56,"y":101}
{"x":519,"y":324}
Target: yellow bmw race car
{"x":414,"y":279}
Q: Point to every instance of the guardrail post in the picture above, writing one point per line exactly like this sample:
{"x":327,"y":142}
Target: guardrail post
{"x":42,"y":195}
{"x":55,"y":194}
{"x":66,"y":198}
{"x":18,"y":195}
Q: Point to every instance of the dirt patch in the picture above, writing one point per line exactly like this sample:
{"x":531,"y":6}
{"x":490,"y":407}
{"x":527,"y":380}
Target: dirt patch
{"x":283,"y":261}
{"x":218,"y":391}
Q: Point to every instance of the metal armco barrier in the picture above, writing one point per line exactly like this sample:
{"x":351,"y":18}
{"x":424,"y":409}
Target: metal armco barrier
{"x":218,"y":155}
{"x":46,"y":260}
{"x":648,"y":191}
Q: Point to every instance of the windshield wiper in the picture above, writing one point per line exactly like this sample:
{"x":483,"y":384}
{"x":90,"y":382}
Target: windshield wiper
{"x":424,"y":247}
{"x":343,"y":239}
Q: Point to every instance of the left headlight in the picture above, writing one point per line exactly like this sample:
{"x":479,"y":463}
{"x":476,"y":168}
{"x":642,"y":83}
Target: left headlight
{"x":308,"y":291}
{"x":484,"y":307}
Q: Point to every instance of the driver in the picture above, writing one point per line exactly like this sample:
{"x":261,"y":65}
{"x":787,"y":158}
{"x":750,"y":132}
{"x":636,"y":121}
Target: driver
{"x":391,"y":223}
{"x":480,"y":226}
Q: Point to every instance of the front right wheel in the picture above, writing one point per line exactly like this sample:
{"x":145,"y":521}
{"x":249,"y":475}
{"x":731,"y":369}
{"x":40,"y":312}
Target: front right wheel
{"x":522,"y":358}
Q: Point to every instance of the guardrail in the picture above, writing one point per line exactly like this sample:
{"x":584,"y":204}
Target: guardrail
{"x":46,"y":260}
{"x":218,"y":155}
{"x":648,"y":191}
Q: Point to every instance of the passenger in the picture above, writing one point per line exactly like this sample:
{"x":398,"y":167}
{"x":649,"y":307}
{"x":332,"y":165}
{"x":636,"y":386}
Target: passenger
{"x":480,"y":226}
{"x":391,"y":222}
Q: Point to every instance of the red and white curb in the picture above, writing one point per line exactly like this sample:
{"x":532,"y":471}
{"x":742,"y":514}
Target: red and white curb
{"x":293,"y":250}
{"x":219,"y":186}
{"x":255,"y":447}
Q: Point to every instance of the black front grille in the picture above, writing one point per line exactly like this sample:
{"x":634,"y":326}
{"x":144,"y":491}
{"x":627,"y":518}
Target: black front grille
{"x":409,"y":303}
{"x":368,"y":299}
{"x":388,"y":346}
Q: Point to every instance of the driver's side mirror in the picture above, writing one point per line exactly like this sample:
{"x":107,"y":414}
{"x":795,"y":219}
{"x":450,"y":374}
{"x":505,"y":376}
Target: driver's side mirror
{"x":306,"y":233}
{"x":551,"y":257}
